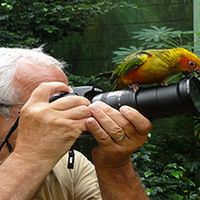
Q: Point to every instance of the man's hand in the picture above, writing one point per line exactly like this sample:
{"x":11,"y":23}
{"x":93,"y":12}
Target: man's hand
{"x":48,"y":130}
{"x":119,"y":133}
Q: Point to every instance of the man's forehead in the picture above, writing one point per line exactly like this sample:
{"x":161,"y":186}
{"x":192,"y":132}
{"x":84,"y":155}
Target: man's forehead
{"x":27,"y":70}
{"x":28,"y":76}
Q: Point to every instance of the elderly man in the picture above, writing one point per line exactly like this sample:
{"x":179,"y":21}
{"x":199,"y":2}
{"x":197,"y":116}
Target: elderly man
{"x":37,"y":167}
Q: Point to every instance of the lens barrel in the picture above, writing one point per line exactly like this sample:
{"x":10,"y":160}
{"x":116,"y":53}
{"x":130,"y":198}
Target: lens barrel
{"x":158,"y":101}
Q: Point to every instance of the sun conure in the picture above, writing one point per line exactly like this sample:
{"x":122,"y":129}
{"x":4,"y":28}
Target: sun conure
{"x":153,"y":66}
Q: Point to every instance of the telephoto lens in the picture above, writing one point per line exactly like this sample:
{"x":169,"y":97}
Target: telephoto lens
{"x":158,"y":101}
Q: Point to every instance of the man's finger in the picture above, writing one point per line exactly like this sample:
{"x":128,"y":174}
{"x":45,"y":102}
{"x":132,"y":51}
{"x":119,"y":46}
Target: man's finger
{"x":67,"y":102}
{"x":45,"y":90}
{"x":98,"y":133}
{"x":141,"y":123}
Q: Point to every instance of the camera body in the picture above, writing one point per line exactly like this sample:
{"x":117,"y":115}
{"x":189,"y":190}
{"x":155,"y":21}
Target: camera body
{"x":153,"y":102}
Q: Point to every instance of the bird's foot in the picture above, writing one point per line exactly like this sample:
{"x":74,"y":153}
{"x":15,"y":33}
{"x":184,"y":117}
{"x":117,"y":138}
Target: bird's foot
{"x":135,"y":87}
{"x":164,"y":84}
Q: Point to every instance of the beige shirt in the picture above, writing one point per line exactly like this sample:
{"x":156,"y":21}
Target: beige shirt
{"x":79,"y":183}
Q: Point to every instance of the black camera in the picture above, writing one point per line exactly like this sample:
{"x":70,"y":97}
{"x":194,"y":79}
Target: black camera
{"x":153,"y":102}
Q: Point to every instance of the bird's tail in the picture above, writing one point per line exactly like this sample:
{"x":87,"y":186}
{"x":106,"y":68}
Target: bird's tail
{"x":104,"y":75}
{"x":113,"y":78}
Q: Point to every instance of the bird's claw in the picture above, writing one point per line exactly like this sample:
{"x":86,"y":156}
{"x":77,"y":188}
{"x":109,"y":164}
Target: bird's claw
{"x":135,"y":87}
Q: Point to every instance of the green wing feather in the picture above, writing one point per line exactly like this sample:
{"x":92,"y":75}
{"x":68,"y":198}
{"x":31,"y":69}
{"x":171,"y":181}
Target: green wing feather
{"x":129,"y":63}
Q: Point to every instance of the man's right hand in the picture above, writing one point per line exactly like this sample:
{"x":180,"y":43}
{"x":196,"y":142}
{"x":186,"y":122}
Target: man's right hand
{"x":48,"y":130}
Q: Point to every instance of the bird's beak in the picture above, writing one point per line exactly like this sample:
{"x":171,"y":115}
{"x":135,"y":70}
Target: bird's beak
{"x":197,"y":70}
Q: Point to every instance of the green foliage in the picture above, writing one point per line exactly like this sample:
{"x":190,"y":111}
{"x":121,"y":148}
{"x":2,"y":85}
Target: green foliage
{"x":32,"y":23}
{"x":164,"y":37}
{"x":171,"y":180}
{"x":167,"y":176}
{"x":157,"y":38}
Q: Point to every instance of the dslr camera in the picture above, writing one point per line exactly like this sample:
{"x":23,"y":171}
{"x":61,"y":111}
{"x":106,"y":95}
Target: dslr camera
{"x":153,"y":102}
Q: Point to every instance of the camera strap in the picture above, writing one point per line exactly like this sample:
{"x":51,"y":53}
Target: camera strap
{"x":10,"y":132}
{"x":71,"y":154}
{"x":71,"y":157}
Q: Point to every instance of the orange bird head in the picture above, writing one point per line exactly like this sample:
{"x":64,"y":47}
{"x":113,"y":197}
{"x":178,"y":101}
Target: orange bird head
{"x":188,"y":62}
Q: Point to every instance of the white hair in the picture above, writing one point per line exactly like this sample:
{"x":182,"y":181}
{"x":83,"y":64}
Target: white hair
{"x":9,"y":61}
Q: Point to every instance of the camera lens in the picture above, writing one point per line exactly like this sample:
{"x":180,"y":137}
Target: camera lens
{"x":158,"y":101}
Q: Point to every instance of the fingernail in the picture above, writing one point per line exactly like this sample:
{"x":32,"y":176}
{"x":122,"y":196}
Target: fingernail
{"x":96,"y":106}
{"x":124,"y":109}
{"x":91,"y":121}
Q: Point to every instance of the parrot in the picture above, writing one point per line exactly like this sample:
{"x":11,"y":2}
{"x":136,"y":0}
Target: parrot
{"x":153,"y":66}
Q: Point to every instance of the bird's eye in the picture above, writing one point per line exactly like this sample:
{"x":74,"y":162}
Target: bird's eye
{"x":192,"y":64}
